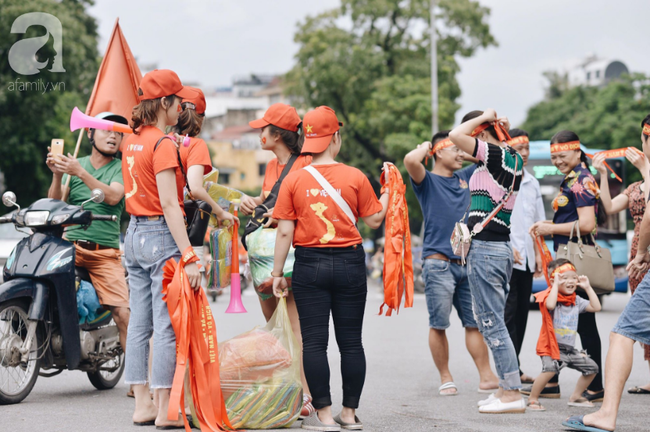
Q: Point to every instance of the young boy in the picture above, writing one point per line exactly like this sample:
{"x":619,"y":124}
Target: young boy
{"x":560,"y":308}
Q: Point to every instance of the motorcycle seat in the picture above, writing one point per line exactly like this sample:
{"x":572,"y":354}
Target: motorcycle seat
{"x":82,"y":274}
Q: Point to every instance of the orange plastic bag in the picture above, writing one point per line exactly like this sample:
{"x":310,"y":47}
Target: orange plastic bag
{"x":196,"y":349}
{"x":398,"y":261}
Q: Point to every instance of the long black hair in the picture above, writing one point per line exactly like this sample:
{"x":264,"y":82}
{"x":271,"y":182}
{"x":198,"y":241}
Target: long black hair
{"x":568,"y":136}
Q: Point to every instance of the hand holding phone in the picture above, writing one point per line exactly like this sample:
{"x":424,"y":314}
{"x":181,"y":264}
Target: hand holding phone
{"x":56,"y":147}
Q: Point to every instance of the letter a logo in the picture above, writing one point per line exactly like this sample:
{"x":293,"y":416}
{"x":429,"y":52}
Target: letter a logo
{"x":22,"y":55}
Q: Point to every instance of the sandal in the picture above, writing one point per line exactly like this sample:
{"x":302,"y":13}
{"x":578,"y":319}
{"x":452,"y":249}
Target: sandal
{"x":581,"y":403}
{"x":447,"y":386}
{"x":535,"y":406}
{"x":638,"y":390}
{"x":578,"y":423}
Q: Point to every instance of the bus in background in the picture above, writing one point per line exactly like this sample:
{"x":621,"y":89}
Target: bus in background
{"x":612,"y":235}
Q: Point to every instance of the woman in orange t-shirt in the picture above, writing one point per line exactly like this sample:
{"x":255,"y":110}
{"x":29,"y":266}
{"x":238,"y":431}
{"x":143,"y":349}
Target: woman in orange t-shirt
{"x":153,"y":187}
{"x":329,"y":274}
{"x":195,"y":157}
{"x":280,"y":132}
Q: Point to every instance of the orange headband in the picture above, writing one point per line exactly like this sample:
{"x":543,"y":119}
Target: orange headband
{"x":442,"y":145}
{"x":561,"y":147}
{"x":646,"y":129}
{"x":518,"y":140}
{"x":563,"y":269}
{"x":502,"y":134}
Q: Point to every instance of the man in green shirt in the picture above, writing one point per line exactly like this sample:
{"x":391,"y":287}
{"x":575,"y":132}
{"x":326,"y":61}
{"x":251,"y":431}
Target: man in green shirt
{"x":98,"y":247}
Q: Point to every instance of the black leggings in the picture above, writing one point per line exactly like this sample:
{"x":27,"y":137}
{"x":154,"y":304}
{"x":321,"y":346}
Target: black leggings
{"x":517,"y":307}
{"x":331,"y":280}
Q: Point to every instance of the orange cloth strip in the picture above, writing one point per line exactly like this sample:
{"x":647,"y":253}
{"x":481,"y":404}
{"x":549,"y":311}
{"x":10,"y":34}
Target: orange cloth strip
{"x":502,"y":133}
{"x":518,"y":140}
{"x":546,"y":256}
{"x":196,"y":349}
{"x":398,"y":259}
{"x":646,"y":129}
{"x":567,"y":146}
{"x":563,"y":269}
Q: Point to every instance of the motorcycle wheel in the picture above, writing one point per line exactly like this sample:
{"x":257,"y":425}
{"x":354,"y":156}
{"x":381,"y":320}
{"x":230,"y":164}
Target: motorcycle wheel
{"x":109,"y":373}
{"x":17,"y":379}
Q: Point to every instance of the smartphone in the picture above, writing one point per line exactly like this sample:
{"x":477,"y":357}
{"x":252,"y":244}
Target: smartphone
{"x":56,"y":148}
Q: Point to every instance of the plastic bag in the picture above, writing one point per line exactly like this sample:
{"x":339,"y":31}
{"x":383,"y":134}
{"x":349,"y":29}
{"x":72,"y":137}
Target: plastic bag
{"x":261,"y":249}
{"x":260,"y":375}
{"x":222,"y":195}
{"x":87,"y":302}
{"x":221,"y":258}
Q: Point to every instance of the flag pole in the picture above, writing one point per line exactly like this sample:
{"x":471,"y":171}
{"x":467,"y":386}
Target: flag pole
{"x":66,"y":188}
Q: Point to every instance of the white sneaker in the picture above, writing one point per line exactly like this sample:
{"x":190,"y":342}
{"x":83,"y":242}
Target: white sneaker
{"x":487,"y":401}
{"x":498,"y":407}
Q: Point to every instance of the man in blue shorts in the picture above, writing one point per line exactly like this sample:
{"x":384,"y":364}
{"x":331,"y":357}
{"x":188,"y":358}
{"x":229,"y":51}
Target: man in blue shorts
{"x":444,"y":197}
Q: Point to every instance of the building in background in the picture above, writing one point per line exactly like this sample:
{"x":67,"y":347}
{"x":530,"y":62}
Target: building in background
{"x":595,"y":72}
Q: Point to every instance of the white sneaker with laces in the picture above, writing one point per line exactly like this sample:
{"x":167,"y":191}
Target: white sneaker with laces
{"x":487,"y":401}
{"x":498,"y":407}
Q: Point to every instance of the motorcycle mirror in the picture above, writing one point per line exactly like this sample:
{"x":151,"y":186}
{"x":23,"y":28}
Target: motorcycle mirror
{"x":97,"y":196}
{"x":9,"y":199}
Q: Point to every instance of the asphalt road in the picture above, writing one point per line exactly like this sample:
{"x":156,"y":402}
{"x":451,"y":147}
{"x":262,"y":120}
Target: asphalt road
{"x":401,"y":385}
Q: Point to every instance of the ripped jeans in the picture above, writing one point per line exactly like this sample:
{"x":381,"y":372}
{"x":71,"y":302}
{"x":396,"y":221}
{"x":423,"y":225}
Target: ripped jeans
{"x":148,"y":245}
{"x":489,"y":266}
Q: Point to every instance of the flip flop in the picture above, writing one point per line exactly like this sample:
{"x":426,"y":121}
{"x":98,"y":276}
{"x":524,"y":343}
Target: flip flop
{"x":357,"y":425}
{"x":638,"y":390}
{"x":488,"y":391}
{"x":577,"y":423}
{"x":171,"y":427}
{"x":447,"y":386}
{"x":581,"y":404}
{"x":145,"y":423}
{"x":539,"y":406}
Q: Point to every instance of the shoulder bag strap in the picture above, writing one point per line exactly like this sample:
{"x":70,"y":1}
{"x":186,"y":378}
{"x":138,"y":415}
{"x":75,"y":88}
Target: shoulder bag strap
{"x":273,"y":195}
{"x":503,"y":202}
{"x":338,"y":199}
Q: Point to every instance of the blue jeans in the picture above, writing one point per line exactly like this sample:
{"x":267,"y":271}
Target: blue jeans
{"x":634,"y":322}
{"x":489,"y":266}
{"x":148,"y":245}
{"x":445,"y":284}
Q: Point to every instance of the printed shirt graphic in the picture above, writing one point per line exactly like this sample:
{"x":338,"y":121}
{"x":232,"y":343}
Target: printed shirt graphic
{"x":320,"y":222}
{"x":578,"y":189}
{"x":105,"y":233}
{"x":490,"y":182}
{"x":565,"y":321}
{"x":439,"y":220}
{"x":140,"y":164}
{"x":274,"y":170}
{"x":196,"y":153}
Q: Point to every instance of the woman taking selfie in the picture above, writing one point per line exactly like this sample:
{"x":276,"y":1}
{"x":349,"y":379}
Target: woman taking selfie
{"x":153,"y":187}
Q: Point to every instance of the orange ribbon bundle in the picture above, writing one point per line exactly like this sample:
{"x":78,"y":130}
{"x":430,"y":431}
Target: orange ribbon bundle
{"x":546,"y":257}
{"x":398,"y":261}
{"x":196,"y":348}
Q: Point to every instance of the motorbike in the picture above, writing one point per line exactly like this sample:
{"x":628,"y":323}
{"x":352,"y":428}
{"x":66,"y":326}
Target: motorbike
{"x":40,"y":333}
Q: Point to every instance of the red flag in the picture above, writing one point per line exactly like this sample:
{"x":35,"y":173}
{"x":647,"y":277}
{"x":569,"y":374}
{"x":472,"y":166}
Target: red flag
{"x":118,"y":79}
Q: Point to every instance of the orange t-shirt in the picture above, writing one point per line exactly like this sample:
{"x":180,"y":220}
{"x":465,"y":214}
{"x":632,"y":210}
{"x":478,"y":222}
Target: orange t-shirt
{"x":274,"y":169}
{"x":196,"y":153}
{"x":320,"y":222}
{"x":140,"y":164}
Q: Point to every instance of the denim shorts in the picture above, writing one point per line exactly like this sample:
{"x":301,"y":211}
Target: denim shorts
{"x":446,"y":283}
{"x":634,"y":322}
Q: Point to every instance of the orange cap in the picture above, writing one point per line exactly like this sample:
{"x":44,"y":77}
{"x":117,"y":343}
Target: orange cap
{"x":281,"y":115}
{"x":197,"y":98}
{"x":319,"y":126}
{"x":162,"y":82}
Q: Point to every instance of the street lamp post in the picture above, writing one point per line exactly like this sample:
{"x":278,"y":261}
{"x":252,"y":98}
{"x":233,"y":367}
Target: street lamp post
{"x":434,"y":69}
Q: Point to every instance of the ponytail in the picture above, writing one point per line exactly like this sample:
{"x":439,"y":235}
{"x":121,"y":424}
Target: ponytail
{"x":293,"y":140}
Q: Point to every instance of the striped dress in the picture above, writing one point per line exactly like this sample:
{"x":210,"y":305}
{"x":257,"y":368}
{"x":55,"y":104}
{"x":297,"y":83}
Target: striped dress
{"x":490,"y":182}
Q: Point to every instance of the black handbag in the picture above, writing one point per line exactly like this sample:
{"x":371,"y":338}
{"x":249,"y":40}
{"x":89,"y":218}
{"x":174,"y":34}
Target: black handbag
{"x":257,"y":218}
{"x":197,"y":212}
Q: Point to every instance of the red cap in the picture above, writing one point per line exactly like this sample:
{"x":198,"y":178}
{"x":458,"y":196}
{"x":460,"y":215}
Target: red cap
{"x":319,"y":125}
{"x":197,"y":98}
{"x":162,"y":82}
{"x":281,"y":115}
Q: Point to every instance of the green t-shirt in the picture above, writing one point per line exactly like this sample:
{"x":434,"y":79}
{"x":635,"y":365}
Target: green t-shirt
{"x":105,"y":233}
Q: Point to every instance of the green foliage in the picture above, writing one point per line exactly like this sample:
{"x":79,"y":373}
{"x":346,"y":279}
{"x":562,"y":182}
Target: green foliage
{"x":30,"y":118}
{"x":370,"y":62}
{"x":606,"y":117}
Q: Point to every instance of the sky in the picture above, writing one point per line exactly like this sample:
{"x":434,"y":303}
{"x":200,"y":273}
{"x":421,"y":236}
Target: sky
{"x":209,"y":42}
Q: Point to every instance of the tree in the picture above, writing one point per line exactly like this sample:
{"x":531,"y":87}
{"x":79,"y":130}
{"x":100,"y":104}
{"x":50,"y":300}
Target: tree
{"x":605,"y":117}
{"x":369,"y":61}
{"x":36,"y":108}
